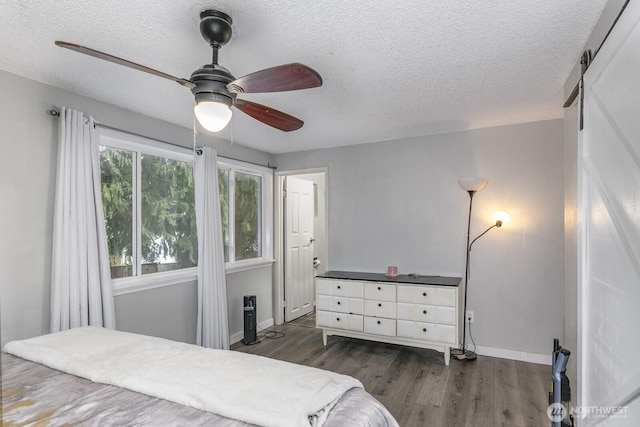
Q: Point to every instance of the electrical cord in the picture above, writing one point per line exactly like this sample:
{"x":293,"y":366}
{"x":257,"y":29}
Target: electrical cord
{"x":471,"y":336}
{"x":270,"y":335}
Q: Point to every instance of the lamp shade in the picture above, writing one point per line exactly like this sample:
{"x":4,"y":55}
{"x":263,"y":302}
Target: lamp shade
{"x":472,"y":183}
{"x":212,"y":115}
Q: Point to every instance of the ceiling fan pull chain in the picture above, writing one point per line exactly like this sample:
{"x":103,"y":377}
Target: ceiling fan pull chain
{"x":195,"y":134}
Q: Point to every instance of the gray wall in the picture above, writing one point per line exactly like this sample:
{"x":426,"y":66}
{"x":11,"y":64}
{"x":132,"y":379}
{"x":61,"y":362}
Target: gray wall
{"x":399,"y":203}
{"x":169,"y":312}
{"x":29,"y":146}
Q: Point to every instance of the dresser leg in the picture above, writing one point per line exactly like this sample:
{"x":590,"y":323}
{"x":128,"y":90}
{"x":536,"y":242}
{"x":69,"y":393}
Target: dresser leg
{"x":324,"y":337}
{"x":447,"y":355}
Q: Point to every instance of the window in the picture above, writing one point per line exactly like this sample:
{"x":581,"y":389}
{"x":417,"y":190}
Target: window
{"x":148,"y":200}
{"x":149,"y":204}
{"x":245,"y":203}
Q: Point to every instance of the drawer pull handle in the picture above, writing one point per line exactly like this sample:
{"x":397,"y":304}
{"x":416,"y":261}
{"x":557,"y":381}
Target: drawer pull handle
{"x":424,"y":329}
{"x":379,"y":304}
{"x":379,"y":288}
{"x":337,"y":319}
{"x":423,"y":311}
{"x":424,"y":294}
{"x":339,"y":287}
{"x":378,"y":322}
{"x":339,"y":303}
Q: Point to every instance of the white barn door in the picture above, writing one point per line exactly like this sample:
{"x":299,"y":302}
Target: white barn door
{"x":298,"y":277}
{"x":609,"y":236}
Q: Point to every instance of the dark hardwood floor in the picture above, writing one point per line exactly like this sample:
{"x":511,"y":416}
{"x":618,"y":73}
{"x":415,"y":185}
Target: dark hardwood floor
{"x":415,"y":385}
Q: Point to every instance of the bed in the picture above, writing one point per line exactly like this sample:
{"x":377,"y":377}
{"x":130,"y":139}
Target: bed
{"x":95,"y":376}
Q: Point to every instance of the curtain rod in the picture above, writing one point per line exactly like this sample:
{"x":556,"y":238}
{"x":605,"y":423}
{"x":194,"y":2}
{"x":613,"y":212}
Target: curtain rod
{"x":268,"y":165}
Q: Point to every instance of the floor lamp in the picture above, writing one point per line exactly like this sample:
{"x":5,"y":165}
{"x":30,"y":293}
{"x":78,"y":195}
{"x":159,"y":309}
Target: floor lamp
{"x":472,"y":185}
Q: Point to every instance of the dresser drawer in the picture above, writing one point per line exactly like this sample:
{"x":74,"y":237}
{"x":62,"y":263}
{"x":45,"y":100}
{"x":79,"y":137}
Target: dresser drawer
{"x":446,"y":315}
{"x":323,"y":302}
{"x":447,"y":333}
{"x":416,"y":312}
{"x":379,"y":292}
{"x":329,"y":319}
{"x":346,"y":288}
{"x":347,"y":305}
{"x":340,"y":304}
{"x":427,"y":313}
{"x":427,"y":331}
{"x":378,"y":326}
{"x":417,"y":330}
{"x":380,"y":308}
{"x":427,"y":295}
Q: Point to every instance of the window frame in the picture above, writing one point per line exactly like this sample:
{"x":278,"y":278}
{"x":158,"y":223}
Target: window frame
{"x":126,"y":141}
{"x":266,"y":214}
{"x":138,"y":144}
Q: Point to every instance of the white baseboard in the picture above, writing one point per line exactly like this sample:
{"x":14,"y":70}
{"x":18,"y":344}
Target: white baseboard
{"x":503,"y":353}
{"x":239,"y":335}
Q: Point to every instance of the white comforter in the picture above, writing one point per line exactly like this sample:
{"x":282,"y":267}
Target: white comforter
{"x":250,"y":388}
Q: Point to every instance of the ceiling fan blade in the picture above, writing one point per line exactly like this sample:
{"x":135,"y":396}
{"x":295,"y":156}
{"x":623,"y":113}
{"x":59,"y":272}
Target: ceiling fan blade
{"x":282,"y":78}
{"x":269,"y":116}
{"x":126,"y":63}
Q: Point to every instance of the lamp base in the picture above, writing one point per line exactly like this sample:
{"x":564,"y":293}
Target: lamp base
{"x":463,"y":355}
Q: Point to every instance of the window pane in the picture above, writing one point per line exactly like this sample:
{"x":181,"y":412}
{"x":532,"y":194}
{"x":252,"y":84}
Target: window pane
{"x":223,"y":186}
{"x":116,"y":175}
{"x":247,"y":216}
{"x":169,"y":239}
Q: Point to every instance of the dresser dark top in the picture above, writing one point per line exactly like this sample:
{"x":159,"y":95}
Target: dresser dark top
{"x":402,"y":278}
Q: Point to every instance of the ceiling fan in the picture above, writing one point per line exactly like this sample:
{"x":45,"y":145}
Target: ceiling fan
{"x":216,"y":90}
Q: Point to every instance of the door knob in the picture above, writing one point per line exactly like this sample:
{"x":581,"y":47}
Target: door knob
{"x":311,"y":240}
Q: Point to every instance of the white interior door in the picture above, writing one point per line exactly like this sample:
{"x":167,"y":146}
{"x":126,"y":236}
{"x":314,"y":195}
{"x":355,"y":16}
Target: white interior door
{"x":609,"y":237}
{"x":298,"y":278}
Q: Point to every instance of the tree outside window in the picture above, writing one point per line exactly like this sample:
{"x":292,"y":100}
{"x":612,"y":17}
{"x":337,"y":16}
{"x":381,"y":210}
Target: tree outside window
{"x":165,"y":199}
{"x":247,"y":216}
{"x":241,"y":198}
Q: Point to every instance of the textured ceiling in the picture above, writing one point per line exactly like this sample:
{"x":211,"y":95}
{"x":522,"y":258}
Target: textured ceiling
{"x":391,"y":69}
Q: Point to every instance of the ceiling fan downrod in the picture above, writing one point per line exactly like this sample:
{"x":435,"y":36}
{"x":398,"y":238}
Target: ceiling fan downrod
{"x":215,"y":27}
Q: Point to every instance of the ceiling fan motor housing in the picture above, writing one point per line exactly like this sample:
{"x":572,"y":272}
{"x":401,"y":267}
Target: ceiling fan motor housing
{"x":211,"y":84}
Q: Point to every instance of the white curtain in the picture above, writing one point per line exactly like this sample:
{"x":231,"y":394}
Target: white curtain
{"x":81,"y":293}
{"x":212,"y":323}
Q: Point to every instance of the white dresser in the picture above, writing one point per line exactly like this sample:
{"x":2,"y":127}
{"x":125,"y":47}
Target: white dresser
{"x":419,"y":311}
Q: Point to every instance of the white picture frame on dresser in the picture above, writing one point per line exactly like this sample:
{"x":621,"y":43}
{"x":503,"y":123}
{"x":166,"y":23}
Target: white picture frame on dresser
{"x":418,"y":311}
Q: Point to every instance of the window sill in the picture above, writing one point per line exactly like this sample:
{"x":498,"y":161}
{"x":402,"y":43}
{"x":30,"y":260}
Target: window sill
{"x":147,"y":282}
{"x":154,"y":280}
{"x":248,"y":265}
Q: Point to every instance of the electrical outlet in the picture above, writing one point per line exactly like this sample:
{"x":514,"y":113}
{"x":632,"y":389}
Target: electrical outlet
{"x":469,"y":316}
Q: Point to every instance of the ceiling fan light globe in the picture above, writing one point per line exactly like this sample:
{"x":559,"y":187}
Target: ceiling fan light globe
{"x":213,"y":116}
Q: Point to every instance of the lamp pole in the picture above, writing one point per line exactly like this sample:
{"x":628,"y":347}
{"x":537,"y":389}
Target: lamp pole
{"x":464,"y":354}
{"x":472,"y":185}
